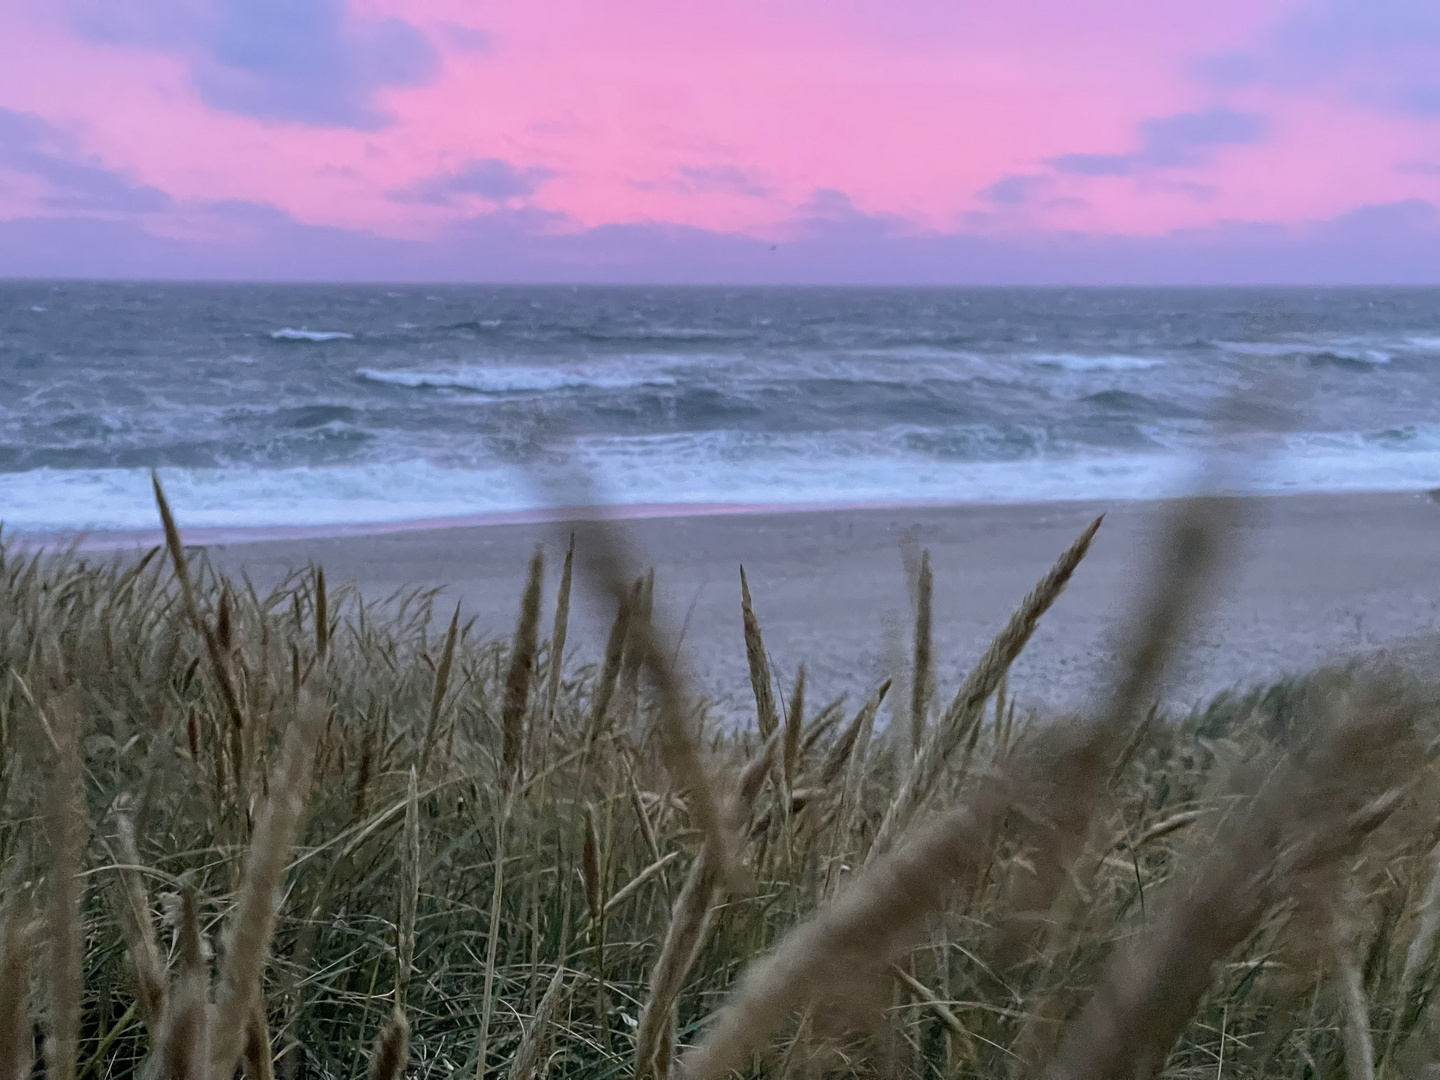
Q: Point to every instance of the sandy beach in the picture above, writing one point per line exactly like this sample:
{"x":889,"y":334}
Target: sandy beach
{"x":1308,"y":578}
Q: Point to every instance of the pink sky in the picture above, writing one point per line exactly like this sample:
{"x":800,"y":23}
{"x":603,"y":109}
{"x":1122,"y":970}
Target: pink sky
{"x":901,"y":140}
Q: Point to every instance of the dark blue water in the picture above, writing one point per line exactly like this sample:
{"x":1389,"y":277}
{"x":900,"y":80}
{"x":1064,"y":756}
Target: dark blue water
{"x":291,"y":405}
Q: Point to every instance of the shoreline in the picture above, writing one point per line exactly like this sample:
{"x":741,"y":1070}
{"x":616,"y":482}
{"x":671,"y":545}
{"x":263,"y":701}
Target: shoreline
{"x":125,"y":539}
{"x":107,"y":540}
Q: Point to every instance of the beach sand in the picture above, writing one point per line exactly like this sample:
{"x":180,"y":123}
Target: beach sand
{"x":1308,"y":578}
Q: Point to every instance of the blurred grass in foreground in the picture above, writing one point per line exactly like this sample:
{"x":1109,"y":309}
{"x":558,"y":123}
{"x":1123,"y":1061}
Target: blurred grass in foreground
{"x":296,"y":833}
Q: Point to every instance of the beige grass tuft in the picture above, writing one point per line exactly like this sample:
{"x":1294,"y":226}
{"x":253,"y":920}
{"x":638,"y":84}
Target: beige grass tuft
{"x":392,"y":1049}
{"x":521,"y":670}
{"x":17,"y":1044}
{"x":965,"y":711}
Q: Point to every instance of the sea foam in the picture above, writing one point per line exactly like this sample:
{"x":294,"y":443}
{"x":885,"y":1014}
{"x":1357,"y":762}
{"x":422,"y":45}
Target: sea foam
{"x":688,"y":471}
{"x":512,"y":380}
{"x":1081,"y":363}
{"x":291,"y":334}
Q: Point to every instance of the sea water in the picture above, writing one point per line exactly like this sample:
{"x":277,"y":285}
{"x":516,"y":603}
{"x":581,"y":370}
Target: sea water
{"x":328,"y":408}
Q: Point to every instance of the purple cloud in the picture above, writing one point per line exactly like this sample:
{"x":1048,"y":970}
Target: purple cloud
{"x":1170,"y":142}
{"x":832,"y":243}
{"x":30,"y":145}
{"x":1381,"y":53}
{"x":720,"y":179}
{"x":296,"y":61}
{"x":1013,"y":190}
{"x":489,"y":178}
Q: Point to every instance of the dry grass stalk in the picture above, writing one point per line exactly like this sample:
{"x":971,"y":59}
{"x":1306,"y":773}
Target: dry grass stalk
{"x":942,"y":1011}
{"x":635,"y":884}
{"x":690,"y":923}
{"x":1091,"y":755}
{"x":752,"y":780}
{"x":66,"y":827}
{"x":253,"y":920}
{"x":609,"y":670}
{"x":437,"y":697}
{"x":138,"y":927}
{"x":521,"y":670}
{"x":922,"y":677}
{"x":1350,"y":987}
{"x":322,"y":616}
{"x":794,"y":723}
{"x":409,"y":892}
{"x":525,"y":1065}
{"x":257,"y":1059}
{"x":854,"y":936}
{"x":642,"y":598}
{"x":492,"y":942}
{"x":1132,"y":1022}
{"x":642,"y":816}
{"x":1189,"y":556}
{"x":17,"y":1047}
{"x":965,"y":711}
{"x":766,"y":714}
{"x":851,"y":793}
{"x":821,"y":726}
{"x":679,"y":745}
{"x":182,"y":1049}
{"x":559,"y":632}
{"x":392,"y":1049}
{"x":218,"y":661}
{"x":1304,"y":820}
{"x":1427,"y":923}
{"x":590,"y":868}
{"x":854,"y":739}
{"x":1418,"y":955}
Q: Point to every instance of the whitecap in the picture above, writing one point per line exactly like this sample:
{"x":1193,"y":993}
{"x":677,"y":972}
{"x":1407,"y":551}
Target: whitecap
{"x":511,"y":380}
{"x":290,"y":334}
{"x":1079,"y":362}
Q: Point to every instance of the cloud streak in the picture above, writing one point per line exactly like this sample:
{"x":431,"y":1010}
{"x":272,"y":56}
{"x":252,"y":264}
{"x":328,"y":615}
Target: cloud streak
{"x":492,"y":179}
{"x":1185,"y":140}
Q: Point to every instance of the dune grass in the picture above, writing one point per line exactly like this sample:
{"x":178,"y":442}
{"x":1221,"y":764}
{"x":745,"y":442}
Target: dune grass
{"x":297,"y":833}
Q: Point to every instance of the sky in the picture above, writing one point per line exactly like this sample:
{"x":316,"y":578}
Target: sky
{"x":750,"y":141}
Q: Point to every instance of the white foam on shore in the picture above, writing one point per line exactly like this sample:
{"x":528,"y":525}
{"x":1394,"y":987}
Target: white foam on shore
{"x":678,"y":472}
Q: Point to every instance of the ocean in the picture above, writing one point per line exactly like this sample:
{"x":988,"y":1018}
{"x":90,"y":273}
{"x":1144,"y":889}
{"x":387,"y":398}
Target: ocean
{"x":285,"y":408}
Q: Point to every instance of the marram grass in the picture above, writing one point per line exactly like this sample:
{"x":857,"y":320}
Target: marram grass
{"x":297,"y":833}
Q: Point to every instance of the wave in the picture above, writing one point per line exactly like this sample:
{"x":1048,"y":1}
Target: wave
{"x":512,"y":380}
{"x":669,"y":334}
{"x":291,"y":334}
{"x":839,"y":468}
{"x":1080,"y":362}
{"x":1322,"y":350}
{"x":476,"y":325}
{"x":1361,"y":360}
